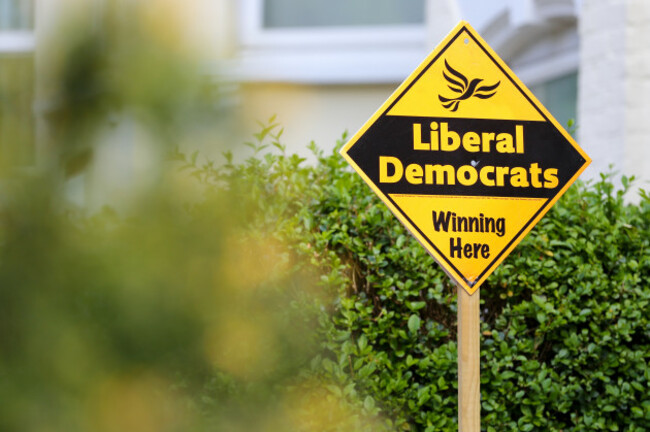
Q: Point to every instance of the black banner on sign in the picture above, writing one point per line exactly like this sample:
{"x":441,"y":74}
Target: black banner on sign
{"x":466,"y":157}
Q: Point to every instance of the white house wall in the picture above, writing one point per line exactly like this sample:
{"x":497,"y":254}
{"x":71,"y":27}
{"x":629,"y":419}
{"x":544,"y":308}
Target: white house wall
{"x":322,"y":85}
{"x":311,"y":112}
{"x":319,"y":94}
{"x":614,"y":86}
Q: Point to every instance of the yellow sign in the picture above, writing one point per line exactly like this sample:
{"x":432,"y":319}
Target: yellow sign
{"x":466,"y":157}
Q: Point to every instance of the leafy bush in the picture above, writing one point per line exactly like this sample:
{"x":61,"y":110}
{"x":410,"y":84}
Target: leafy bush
{"x":565,"y":331}
{"x":287,"y":297}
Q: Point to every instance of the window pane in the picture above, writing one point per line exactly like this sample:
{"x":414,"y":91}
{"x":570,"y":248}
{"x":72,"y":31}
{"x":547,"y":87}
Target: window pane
{"x":560,"y":97}
{"x":320,"y":13}
{"x":16,"y":14}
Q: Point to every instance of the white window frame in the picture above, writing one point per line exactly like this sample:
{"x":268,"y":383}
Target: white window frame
{"x":325,"y":55}
{"x":17,"y":42}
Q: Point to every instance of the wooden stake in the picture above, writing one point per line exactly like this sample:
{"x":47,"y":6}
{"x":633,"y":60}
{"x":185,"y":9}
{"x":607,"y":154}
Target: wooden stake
{"x":469,"y":362}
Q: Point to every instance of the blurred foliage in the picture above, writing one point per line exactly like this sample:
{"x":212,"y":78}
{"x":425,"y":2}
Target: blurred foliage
{"x":16,"y":120}
{"x":181,"y":307}
{"x":133,"y":60}
{"x":273,"y":295}
{"x":172,"y":318}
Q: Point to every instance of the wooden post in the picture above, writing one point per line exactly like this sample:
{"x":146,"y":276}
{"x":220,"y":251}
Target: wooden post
{"x":469,"y":362}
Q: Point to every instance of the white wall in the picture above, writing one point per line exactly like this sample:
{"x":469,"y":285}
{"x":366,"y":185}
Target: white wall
{"x":614,"y":86}
{"x":310,"y":112}
{"x":320,"y":85}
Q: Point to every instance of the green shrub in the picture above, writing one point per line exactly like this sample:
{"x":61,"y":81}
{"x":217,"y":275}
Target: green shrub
{"x":565,"y":331}
{"x":288,"y":297}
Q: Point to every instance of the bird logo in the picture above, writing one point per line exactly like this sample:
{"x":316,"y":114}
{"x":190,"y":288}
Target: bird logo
{"x":458,"y":83}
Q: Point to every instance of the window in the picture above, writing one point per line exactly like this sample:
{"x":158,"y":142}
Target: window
{"x":334,"y":41}
{"x":16,"y":15}
{"x":559,"y":96}
{"x":317,"y":13}
{"x":16,"y":82}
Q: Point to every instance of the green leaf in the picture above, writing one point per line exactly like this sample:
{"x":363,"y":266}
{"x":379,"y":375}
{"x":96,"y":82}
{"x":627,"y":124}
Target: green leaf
{"x":362,"y":342}
{"x":414,"y":323}
{"x":368,"y":403}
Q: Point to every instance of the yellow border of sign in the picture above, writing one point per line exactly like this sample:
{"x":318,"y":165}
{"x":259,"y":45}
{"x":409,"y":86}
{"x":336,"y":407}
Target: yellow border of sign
{"x":460,"y":27}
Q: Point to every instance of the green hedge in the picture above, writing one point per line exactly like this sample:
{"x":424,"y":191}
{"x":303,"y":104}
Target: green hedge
{"x":565,"y":333}
{"x":284,"y":296}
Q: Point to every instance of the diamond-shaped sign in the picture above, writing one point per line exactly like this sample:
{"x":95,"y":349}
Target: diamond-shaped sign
{"x":466,"y":157}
